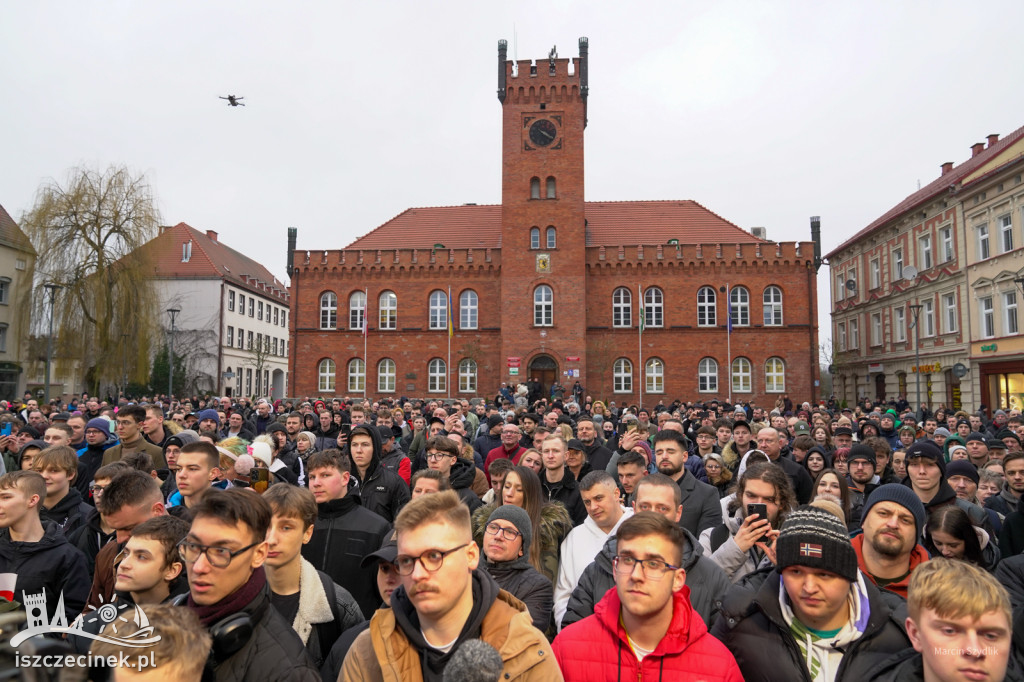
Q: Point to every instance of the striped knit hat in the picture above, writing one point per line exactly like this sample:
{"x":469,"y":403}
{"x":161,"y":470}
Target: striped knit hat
{"x":815,"y":538}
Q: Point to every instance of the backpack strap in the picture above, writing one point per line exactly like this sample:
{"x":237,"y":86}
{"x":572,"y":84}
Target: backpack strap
{"x":328,"y":633}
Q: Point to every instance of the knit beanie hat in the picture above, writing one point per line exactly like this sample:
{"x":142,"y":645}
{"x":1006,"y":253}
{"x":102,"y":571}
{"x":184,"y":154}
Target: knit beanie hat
{"x":262,"y":452}
{"x":861,"y":451}
{"x":100,"y":424}
{"x":518,"y":517}
{"x":901,"y":495}
{"x":963,"y":467}
{"x":928,"y":450}
{"x":942,"y":431}
{"x":210,"y":414}
{"x":816,"y":538}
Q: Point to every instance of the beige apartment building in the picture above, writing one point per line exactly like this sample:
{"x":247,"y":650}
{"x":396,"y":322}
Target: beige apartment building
{"x":17,"y":260}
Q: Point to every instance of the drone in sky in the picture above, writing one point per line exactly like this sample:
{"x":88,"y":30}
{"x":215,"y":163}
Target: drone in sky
{"x":234,"y":101}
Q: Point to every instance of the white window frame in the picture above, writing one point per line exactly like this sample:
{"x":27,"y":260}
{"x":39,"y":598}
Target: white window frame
{"x":775,"y":375}
{"x":230,"y":337}
{"x":467,"y":375}
{"x":986,"y":317}
{"x":899,"y":324}
{"x":772,"y":301}
{"x":654,"y":308}
{"x":928,"y":315}
{"x":1011,"y":323}
{"x":3,"y":337}
{"x":739,"y":298}
{"x":231,"y":301}
{"x":840,"y":286}
{"x":654,"y":375}
{"x":926,"y":259}
{"x":1006,"y":242}
{"x":550,"y":188}
{"x":326,"y":372}
{"x":241,"y":304}
{"x":356,"y":372}
{"x":875,"y":268}
{"x":897,"y":263}
{"x":387,"y":310}
{"x":387,"y":376}
{"x":535,"y":188}
{"x":946,"y":238}
{"x":534,"y":238}
{"x":984,"y":245}
{"x":469,"y":308}
{"x":437,"y":376}
{"x":854,"y":334}
{"x":841,"y":335}
{"x":707,"y":375}
{"x":876,"y":329}
{"x":949,"y":309}
{"x":622,"y":308}
{"x":707,"y":305}
{"x":328,"y":310}
{"x":356,"y":310}
{"x":438,"y":310}
{"x":622,"y":376}
{"x":543,"y":306}
{"x":742,"y":376}
{"x":550,"y":237}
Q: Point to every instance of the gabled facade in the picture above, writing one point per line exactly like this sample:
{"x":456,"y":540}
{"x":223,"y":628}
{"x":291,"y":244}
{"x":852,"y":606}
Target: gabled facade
{"x":17,"y":263}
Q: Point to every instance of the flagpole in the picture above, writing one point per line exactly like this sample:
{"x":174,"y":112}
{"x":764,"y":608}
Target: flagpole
{"x":366,"y":333}
{"x":448,"y":379}
{"x":640,"y":342}
{"x":728,"y":337}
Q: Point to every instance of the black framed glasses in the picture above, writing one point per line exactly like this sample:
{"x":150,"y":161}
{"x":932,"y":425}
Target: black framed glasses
{"x":437,"y":456}
{"x":219,"y":557}
{"x":509,"y":534}
{"x":431,"y":560}
{"x":654,"y":569}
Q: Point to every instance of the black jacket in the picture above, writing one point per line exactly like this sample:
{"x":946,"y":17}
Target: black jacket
{"x":52,"y":563}
{"x":524,"y":582}
{"x":566,"y":491}
{"x":327,"y":439}
{"x":461,"y":479}
{"x":598,"y":455}
{"x":382,"y":491}
{"x":89,"y":538}
{"x":803,"y":484}
{"x":344,"y":533}
{"x":752,"y":626}
{"x":89,"y":460}
{"x":708,"y":583}
{"x":69,"y":514}
{"x":484,"y":444}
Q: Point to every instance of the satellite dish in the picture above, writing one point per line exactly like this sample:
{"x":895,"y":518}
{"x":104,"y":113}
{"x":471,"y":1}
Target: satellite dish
{"x":851,"y":285}
{"x":909,"y":273}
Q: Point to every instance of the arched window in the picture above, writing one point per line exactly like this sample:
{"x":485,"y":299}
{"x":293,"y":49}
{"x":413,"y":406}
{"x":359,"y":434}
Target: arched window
{"x":772,"y":306}
{"x":535,"y":188}
{"x":622,"y":376}
{"x":534,"y":237}
{"x":739,"y":298}
{"x":741,"y":380}
{"x":551,"y":188}
{"x":438,"y":310}
{"x":468,"y":304}
{"x":622,"y":307}
{"x":328,"y":310}
{"x":706,"y":301}
{"x":467,"y":375}
{"x":549,"y":238}
{"x":543,"y":306}
{"x":356,"y":376}
{"x":707,"y":376}
{"x":388,"y":306}
{"x":654,"y":308}
{"x":386,"y":374}
{"x":654,"y":373}
{"x":437,"y":376}
{"x":775,"y":375}
{"x":325,"y":372}
{"x":356,"y":309}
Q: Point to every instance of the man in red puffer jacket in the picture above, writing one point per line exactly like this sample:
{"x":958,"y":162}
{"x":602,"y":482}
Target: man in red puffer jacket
{"x":645,"y":627}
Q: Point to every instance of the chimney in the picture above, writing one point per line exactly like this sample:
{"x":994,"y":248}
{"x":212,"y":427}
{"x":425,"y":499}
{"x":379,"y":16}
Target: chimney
{"x":977,"y":148}
{"x":212,"y":235}
{"x":992,"y":139}
{"x":947,"y":167}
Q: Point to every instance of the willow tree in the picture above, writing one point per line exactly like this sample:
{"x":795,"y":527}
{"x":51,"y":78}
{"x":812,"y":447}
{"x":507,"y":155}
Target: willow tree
{"x":87,"y":233}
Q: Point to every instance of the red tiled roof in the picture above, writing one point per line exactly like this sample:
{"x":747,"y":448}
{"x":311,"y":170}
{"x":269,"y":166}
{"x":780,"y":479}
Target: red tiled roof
{"x":609,"y":223}
{"x":935,"y":188}
{"x":11,"y":235}
{"x":209,"y":259}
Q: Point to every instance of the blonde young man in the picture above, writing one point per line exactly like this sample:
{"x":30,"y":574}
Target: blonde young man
{"x":179,"y":654}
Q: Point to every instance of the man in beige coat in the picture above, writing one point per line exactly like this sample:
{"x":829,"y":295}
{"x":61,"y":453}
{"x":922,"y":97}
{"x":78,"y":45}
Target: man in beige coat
{"x":444,"y":600}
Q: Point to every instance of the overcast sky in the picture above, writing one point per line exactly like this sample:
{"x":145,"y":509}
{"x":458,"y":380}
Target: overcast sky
{"x":764,"y":112}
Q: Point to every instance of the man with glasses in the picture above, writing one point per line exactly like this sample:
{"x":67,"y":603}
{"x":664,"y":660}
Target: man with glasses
{"x":506,"y":546}
{"x":224,"y":553}
{"x":445,"y":599}
{"x":645,"y":627}
{"x":443,"y":456}
{"x":129,"y":430}
{"x":511,"y":447}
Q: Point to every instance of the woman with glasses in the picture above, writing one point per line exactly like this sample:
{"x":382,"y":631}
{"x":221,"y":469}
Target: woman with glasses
{"x":507,"y":538}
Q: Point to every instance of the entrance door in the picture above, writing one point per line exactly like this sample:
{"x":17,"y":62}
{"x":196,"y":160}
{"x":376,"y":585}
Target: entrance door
{"x":544,"y":369}
{"x":880,"y":388}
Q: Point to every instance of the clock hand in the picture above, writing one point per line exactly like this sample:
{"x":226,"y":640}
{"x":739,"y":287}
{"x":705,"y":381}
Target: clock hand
{"x":546,"y":134}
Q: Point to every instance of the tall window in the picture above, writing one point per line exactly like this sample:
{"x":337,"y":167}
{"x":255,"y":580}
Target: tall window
{"x":1010,"y":323}
{"x":622,"y":376}
{"x":988,"y":319}
{"x":231,"y":336}
{"x":248,"y":381}
{"x":534,"y":237}
{"x":772,"y":306}
{"x":549,"y":238}
{"x":949,"y":311}
{"x":241,"y":338}
{"x":984,"y":250}
{"x":437,"y":376}
{"x":356,"y":309}
{"x":248,"y":341}
{"x":468,"y":305}
{"x":876,"y":274}
{"x":840,"y":286}
{"x":899,"y":324}
{"x":551,"y":188}
{"x":438,"y":310}
{"x":387,"y":305}
{"x":654,"y":307}
{"x":325,"y":372}
{"x":622,"y":307}
{"x":707,"y":376}
{"x":231,"y":300}
{"x":252,"y":306}
{"x":774,"y":375}
{"x":854,"y":334}
{"x":741,"y":380}
{"x":841,"y":335}
{"x":946,"y":243}
{"x":328,"y":310}
{"x":654,"y":375}
{"x":259,"y":311}
{"x":386,"y":374}
{"x":1006,"y":233}
{"x":706,"y":307}
{"x":467,"y":375}
{"x":928,"y":317}
{"x":925,"y":246}
{"x":276,"y":316}
{"x":876,"y":329}
{"x":535,"y":188}
{"x":740,"y":299}
{"x":356,"y":376}
{"x":897,"y":264}
{"x":543,"y":306}
{"x":241,"y":304}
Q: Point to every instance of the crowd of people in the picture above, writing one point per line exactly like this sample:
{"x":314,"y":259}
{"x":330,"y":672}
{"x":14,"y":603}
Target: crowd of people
{"x":518,"y":538}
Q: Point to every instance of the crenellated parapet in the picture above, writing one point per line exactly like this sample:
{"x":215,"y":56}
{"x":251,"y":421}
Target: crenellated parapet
{"x":395,"y":261}
{"x":746,"y":255}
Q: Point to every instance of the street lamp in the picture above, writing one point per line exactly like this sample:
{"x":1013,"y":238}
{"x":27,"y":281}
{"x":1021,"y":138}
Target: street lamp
{"x":52,"y":288}
{"x":915,"y":308}
{"x":170,"y":356}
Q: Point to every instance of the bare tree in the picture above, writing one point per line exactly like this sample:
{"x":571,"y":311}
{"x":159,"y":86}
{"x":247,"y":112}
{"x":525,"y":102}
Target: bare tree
{"x":82,"y":230}
{"x":259,"y":360}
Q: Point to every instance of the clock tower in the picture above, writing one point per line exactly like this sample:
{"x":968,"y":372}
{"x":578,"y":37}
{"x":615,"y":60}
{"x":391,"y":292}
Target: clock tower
{"x":543,"y":226}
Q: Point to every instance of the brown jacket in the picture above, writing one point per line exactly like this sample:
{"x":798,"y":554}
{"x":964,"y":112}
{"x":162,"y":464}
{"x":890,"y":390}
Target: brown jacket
{"x":383,"y":654}
{"x":115,"y":453}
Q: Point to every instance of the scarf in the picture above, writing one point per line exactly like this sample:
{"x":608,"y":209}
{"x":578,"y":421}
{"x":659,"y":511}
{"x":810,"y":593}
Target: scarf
{"x":233,"y":603}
